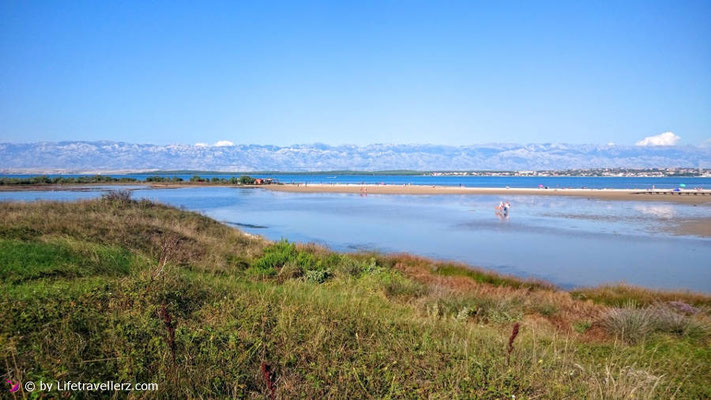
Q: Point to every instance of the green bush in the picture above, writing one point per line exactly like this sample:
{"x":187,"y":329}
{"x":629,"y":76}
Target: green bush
{"x":314,"y":268}
{"x":317,"y":276}
{"x":246,"y":180}
{"x":277,"y":255}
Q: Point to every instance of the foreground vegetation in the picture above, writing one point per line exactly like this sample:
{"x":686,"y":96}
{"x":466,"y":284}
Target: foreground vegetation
{"x":132,"y":291}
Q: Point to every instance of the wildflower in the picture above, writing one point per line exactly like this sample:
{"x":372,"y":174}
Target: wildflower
{"x":514,"y":333}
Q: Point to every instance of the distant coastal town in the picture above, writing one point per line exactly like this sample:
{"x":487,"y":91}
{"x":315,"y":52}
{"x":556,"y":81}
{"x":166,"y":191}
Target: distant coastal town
{"x":612,"y":172}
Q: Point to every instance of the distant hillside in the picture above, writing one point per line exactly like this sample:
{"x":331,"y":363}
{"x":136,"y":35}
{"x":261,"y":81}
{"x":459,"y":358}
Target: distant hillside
{"x":118,"y":156}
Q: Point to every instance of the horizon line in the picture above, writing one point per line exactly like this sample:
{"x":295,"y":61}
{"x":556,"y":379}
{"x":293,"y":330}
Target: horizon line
{"x":702,"y":145}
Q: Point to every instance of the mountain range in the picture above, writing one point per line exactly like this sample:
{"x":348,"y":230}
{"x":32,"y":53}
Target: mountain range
{"x":108,"y":156}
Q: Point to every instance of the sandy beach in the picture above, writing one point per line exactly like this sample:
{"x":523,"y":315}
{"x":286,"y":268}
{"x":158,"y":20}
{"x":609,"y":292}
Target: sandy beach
{"x":663,"y":195}
{"x":688,"y":196}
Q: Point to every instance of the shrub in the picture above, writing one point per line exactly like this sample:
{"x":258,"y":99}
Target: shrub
{"x":483,"y":309}
{"x":629,"y":324}
{"x":465,"y":313}
{"x":277,"y":255}
{"x":317,"y":276}
{"x":290,"y":271}
{"x":349,"y":267}
{"x":634,"y":324}
{"x":582,"y":326}
{"x":298,"y":262}
{"x":308,"y":261}
{"x":396,"y":285}
{"x":238,"y":262}
{"x":117,"y":196}
{"x":246,"y":180}
{"x":683,"y":308}
{"x":668,"y":320}
{"x":372,"y":266}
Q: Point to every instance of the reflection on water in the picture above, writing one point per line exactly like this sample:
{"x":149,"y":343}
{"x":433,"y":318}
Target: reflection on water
{"x":569,"y":241}
{"x":664,"y":211}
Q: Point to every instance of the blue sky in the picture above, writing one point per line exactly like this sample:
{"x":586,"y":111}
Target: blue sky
{"x":443,"y":72}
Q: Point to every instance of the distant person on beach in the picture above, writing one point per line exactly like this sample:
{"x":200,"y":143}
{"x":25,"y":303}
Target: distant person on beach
{"x":502,"y":210}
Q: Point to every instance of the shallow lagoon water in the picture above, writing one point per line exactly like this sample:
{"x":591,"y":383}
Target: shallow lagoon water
{"x":568,"y":241}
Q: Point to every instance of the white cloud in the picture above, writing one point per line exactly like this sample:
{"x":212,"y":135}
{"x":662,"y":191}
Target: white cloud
{"x":706,"y":143}
{"x":219,"y":143}
{"x":663,"y":139}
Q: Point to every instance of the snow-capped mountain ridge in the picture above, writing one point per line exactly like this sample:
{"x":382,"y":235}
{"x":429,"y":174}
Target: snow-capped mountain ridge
{"x":98,"y":156}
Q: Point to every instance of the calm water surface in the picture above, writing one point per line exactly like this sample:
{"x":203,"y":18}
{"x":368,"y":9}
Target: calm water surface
{"x":468,"y":181}
{"x":568,"y":241}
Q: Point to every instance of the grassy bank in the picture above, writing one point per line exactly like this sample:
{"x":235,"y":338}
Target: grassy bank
{"x":132,"y":291}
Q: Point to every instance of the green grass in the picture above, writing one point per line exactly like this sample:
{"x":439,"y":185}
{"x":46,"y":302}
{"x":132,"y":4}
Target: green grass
{"x":620,"y":295}
{"x":488,"y":277}
{"x":23,"y":261}
{"x":86,"y":288}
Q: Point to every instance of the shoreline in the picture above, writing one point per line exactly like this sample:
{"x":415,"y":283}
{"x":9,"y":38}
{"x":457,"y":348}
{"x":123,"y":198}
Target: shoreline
{"x":665,"y":195}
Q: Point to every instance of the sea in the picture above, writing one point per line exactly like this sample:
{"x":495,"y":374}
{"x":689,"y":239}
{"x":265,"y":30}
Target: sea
{"x":575,"y":182}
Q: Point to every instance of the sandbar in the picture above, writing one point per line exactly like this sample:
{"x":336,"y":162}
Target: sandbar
{"x":685,"y":196}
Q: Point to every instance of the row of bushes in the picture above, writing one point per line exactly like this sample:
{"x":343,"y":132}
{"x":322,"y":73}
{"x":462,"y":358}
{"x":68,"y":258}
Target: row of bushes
{"x":242,"y":180}
{"x":60,"y":180}
{"x":65,"y":180}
